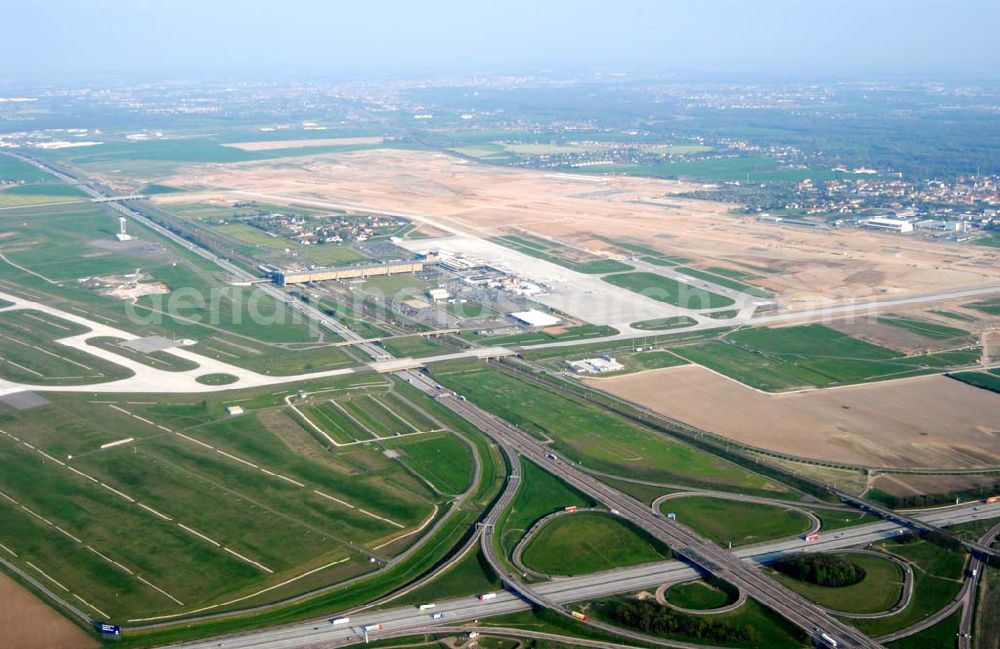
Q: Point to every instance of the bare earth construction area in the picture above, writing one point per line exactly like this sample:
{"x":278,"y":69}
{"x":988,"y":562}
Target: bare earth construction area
{"x":803,"y":266}
{"x":929,"y":421}
{"x":27,"y":622}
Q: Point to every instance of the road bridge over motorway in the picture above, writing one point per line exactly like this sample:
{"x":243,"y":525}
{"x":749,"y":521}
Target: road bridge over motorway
{"x":809,"y":617}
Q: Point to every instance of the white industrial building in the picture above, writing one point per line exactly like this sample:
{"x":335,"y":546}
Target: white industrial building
{"x":597,"y":365}
{"x":535,"y":318}
{"x":438,"y":294}
{"x":892,"y":225}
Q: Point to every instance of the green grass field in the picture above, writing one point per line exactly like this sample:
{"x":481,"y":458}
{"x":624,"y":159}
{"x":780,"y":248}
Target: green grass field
{"x":413,"y":346}
{"x":247,"y":483}
{"x":669,"y":290}
{"x":756,"y":168}
{"x":586,"y":542}
{"x":663,"y":324}
{"x":985,"y":380}
{"x":726,"y":279}
{"x":161,"y":360}
{"x":925,"y":328}
{"x":989,"y":307}
{"x":28,"y":353}
{"x":811,"y":355}
{"x":596,"y":438}
{"x":739,"y":523}
{"x":878,"y":591}
{"x":581,"y":332}
{"x":937,"y":574}
{"x":699,"y":595}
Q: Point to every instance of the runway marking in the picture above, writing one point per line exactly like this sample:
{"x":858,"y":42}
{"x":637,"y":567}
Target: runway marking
{"x":159,"y":590}
{"x":154,"y":512}
{"x":46,"y":575}
{"x":109,"y":560}
{"x":4,"y":547}
{"x":233,"y":457}
{"x":198,"y":442}
{"x":115,"y":491}
{"x":9,"y":498}
{"x":197,"y":533}
{"x":91,"y":606}
{"x":244,"y":597}
{"x":248,"y":560}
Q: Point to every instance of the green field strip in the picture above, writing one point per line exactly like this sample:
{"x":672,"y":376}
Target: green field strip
{"x":932,"y":330}
{"x":442,"y":458}
{"x":374,"y":418}
{"x":725,"y":281}
{"x":397,"y":499}
{"x":409,"y":411}
{"x":158,"y":550}
{"x":600,"y":440}
{"x":671,"y":291}
{"x":361,"y":428}
{"x":332,"y":421}
{"x":247,"y":526}
{"x":333,"y":512}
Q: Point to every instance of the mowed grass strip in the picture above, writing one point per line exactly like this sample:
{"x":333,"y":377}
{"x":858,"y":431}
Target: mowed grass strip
{"x":29,"y":354}
{"x":377,"y":484}
{"x":156,"y":549}
{"x":332,"y":421}
{"x":925,"y":328}
{"x":584,"y":542}
{"x":441,"y":458}
{"x":671,"y":291}
{"x":880,"y":589}
{"x":698,"y":595}
{"x":775,"y":359}
{"x":731,"y":521}
{"x":937,"y":580}
{"x":599,"y":439}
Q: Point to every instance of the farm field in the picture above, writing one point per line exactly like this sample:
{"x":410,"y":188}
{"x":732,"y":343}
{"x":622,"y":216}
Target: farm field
{"x":22,"y":184}
{"x":879,"y":591}
{"x":737,"y":523}
{"x":598,"y":439}
{"x":245,"y":503}
{"x":29,"y":622}
{"x":812,"y":355}
{"x":893,"y":423}
{"x":586,"y":542}
{"x":985,"y":380}
{"x":669,"y":290}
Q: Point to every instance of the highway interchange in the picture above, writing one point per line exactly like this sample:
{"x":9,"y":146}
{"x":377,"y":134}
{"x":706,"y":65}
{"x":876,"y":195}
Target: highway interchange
{"x":729,"y":566}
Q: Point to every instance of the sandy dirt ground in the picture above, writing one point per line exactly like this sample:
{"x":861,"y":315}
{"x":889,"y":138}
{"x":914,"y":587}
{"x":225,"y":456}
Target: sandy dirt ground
{"x":806,"y":267}
{"x":930,"y":421}
{"x":28,"y":623}
{"x":271,"y":145}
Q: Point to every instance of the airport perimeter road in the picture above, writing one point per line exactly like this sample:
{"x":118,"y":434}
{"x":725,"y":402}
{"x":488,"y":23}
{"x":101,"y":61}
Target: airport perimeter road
{"x":684,"y":542}
{"x":563,"y":591}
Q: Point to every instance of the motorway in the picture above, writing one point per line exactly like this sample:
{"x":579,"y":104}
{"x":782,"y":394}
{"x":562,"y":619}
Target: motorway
{"x":684,"y":542}
{"x":566,"y":590}
{"x":725,"y":565}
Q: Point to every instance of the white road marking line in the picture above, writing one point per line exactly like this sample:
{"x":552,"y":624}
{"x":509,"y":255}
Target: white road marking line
{"x":68,"y":534}
{"x":381,"y":518}
{"x":59,"y":462}
{"x":91,"y":478}
{"x":118,"y":442}
{"x":154,"y":512}
{"x":249,"y":560}
{"x":9,"y":498}
{"x":115,"y":491}
{"x":2,"y":546}
{"x":46,"y":575}
{"x":233,"y":457}
{"x":91,"y":606}
{"x":336,"y":500}
{"x":191,"y":439}
{"x":109,"y":560}
{"x":245,"y":597}
{"x":38,"y":516}
{"x":160,"y":590}
{"x":197,"y":533}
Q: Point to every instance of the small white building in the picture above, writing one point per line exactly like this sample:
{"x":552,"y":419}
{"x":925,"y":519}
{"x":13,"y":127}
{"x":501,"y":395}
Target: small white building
{"x":597,"y":365}
{"x":892,"y":225}
{"x":535,"y":318}
{"x":438,"y":294}
{"x":233,"y":411}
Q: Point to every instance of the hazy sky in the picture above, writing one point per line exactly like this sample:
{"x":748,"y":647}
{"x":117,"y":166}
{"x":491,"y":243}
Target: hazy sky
{"x":60,"y":39}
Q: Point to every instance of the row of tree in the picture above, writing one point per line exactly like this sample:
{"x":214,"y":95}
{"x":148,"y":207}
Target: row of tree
{"x":822,"y":569}
{"x":650,"y":617}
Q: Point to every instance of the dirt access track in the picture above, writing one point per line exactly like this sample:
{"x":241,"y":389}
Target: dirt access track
{"x":27,"y":623}
{"x":928,"y":421}
{"x":805,"y":267}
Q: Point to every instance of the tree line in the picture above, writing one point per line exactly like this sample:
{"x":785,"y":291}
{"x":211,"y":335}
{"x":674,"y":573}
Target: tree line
{"x":650,"y":617}
{"x":822,"y":569}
